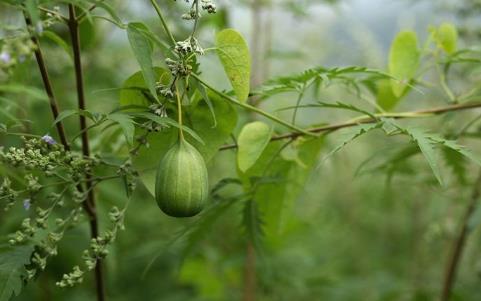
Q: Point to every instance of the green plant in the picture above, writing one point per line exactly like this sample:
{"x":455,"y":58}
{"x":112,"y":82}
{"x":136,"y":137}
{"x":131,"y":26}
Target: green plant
{"x":56,"y":182}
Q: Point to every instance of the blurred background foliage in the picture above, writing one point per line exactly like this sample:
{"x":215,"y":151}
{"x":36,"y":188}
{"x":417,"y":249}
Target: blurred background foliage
{"x":350,"y":234}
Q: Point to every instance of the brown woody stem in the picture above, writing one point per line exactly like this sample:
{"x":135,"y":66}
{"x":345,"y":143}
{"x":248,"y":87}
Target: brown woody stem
{"x":73,"y":24}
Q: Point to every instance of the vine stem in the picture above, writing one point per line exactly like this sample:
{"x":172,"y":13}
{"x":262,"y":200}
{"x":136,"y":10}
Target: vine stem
{"x":162,"y":20}
{"x":179,"y":112}
{"x":459,"y":243}
{"x":232,"y":100}
{"x":363,"y":119}
{"x":73,"y":25}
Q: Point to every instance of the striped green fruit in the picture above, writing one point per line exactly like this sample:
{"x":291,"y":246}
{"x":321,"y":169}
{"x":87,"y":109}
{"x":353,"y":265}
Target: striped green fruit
{"x":181,"y":186}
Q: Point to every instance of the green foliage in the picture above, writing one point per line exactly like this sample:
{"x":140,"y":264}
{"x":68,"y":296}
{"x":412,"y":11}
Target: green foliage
{"x":268,"y":192}
{"x":352,"y":77}
{"x":251,"y":142}
{"x":142,"y":49}
{"x":446,"y":37}
{"x":135,"y":90}
{"x":234,"y":56}
{"x":12,"y":269}
{"x":403,"y":61}
{"x":197,"y":118}
{"x":385,"y":96}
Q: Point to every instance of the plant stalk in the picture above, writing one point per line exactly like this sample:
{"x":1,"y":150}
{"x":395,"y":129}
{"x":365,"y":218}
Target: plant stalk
{"x":42,"y":66}
{"x":164,"y":23}
{"x":73,"y":25}
{"x":362,"y":120}
{"x":254,"y":109}
{"x":459,"y":243}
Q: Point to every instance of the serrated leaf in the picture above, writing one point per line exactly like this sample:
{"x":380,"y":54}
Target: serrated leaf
{"x":457,"y":148}
{"x":425,"y":144}
{"x":320,"y":77}
{"x":142,"y":49}
{"x":234,"y":55}
{"x":457,"y":163}
{"x":404,"y":58}
{"x":358,"y":131}
{"x":251,"y":142}
{"x":446,"y":37}
{"x":12,"y":262}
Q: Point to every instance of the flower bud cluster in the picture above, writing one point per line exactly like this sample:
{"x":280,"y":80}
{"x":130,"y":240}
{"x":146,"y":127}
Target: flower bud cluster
{"x":97,"y":249}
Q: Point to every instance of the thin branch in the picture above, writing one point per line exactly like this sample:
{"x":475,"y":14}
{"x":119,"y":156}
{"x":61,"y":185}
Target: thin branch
{"x":363,"y":119}
{"x":48,"y":86}
{"x":253,"y":109}
{"x":55,"y":13}
{"x":90,"y":201}
{"x":164,"y":23}
{"x":80,"y":17}
{"x":459,"y":243}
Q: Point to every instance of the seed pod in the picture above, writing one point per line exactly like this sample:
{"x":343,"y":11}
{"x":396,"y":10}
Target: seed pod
{"x":181,"y":186}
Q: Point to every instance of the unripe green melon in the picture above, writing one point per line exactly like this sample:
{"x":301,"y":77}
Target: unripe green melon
{"x":181,"y":187}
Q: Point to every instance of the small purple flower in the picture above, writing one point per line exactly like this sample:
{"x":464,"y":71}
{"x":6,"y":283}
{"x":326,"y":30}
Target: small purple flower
{"x":48,"y":139}
{"x":5,"y":57}
{"x":26,"y":204}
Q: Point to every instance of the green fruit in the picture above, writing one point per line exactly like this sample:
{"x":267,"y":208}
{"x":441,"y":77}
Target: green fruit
{"x":181,"y":186}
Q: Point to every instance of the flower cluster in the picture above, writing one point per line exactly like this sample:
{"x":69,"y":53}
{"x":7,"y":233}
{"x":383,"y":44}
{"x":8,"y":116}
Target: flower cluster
{"x":97,"y":249}
{"x":178,"y":68}
{"x":189,"y":46}
{"x":47,"y":156}
{"x":193,"y":14}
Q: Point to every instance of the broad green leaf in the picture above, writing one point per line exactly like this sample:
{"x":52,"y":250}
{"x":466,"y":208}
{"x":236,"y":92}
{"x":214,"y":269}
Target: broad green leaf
{"x":403,"y":61}
{"x":126,"y":124}
{"x":12,"y":269}
{"x":142,"y":49}
{"x":110,"y":10}
{"x":234,"y":55}
{"x":165,"y":121}
{"x":199,"y":120}
{"x":446,"y":37}
{"x":134,"y":89}
{"x":33,"y":92}
{"x":59,"y":41}
{"x":276,"y":198}
{"x":252,"y":141}
{"x":385,"y":96}
{"x":205,"y":97}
